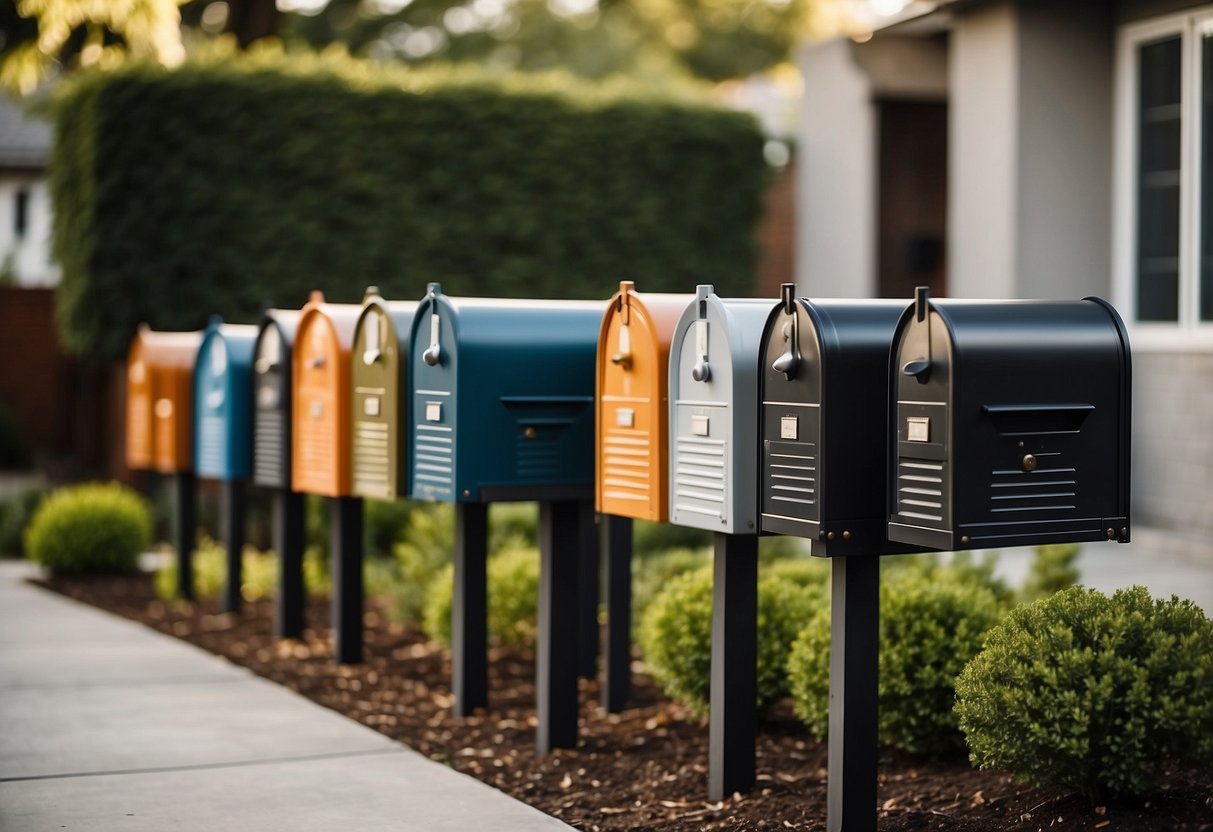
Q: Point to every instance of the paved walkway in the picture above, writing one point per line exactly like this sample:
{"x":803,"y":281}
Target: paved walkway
{"x":107,"y":725}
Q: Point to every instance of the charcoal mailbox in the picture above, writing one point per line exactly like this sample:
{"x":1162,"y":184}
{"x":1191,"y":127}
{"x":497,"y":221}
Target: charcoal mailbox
{"x":379,"y":464}
{"x":1010,"y":424}
{"x":825,"y":422}
{"x":502,"y":408}
{"x":272,"y":425}
{"x":320,"y":451}
{"x":223,"y":438}
{"x":633,"y":436}
{"x":159,"y":427}
{"x":714,"y":367}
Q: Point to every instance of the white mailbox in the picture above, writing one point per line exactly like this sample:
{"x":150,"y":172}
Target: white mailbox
{"x":714,"y":446}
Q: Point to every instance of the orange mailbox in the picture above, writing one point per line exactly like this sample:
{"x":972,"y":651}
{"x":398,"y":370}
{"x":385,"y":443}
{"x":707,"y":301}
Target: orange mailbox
{"x":320,"y":453}
{"x":633,"y":392}
{"x":160,"y":400}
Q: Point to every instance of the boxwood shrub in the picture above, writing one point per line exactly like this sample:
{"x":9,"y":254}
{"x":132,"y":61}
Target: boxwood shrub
{"x":90,"y":528}
{"x":1092,"y":693}
{"x":513,"y":589}
{"x":931,"y":624}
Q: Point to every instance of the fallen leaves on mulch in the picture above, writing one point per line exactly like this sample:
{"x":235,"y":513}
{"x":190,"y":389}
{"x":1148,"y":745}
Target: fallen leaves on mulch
{"x":644,"y":769}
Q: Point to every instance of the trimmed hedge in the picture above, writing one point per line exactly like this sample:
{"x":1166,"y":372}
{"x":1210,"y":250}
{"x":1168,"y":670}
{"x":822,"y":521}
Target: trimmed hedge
{"x":90,"y":528}
{"x":227,"y":183}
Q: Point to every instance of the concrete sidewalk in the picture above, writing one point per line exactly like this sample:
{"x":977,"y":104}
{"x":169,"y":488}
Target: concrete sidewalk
{"x":105,"y":724}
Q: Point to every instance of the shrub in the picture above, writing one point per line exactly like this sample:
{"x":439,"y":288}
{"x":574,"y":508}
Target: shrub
{"x":259,"y":572}
{"x":90,"y":528}
{"x":384,"y":523}
{"x":420,"y":557}
{"x":1091,"y":693}
{"x":513,"y":588}
{"x":653,"y":573}
{"x":676,"y":635}
{"x":956,"y":567}
{"x":929,"y":629}
{"x":1052,"y":570}
{"x":15,"y":513}
{"x":654,"y":538}
{"x":278,"y":174}
{"x":809,"y":573}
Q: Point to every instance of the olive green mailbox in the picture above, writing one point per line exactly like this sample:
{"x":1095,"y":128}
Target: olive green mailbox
{"x":379,"y":361}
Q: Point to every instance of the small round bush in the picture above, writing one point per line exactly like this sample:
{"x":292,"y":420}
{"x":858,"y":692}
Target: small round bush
{"x":513,"y":589}
{"x":1091,"y":693}
{"x":929,"y":628}
{"x":90,"y":528}
{"x":676,"y":636}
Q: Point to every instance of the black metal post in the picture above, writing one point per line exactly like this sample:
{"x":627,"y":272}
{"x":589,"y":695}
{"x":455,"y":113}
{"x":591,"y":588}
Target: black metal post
{"x":185,"y":530}
{"x":590,"y":580}
{"x":288,"y":543}
{"x":854,"y":650}
{"x":617,"y":543}
{"x":232,"y":499}
{"x":469,"y":609}
{"x":345,"y":535}
{"x":732,"y":718}
{"x":556,"y":659}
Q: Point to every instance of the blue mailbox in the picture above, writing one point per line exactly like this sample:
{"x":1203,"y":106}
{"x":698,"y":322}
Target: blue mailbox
{"x":223,"y":442}
{"x":502,"y":398}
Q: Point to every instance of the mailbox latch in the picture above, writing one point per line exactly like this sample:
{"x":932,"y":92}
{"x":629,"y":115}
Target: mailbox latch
{"x":433,"y":352}
{"x":789,"y":362}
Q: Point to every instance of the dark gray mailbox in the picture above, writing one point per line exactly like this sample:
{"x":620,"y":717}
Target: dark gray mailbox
{"x":824,"y":422}
{"x":1010,"y":424}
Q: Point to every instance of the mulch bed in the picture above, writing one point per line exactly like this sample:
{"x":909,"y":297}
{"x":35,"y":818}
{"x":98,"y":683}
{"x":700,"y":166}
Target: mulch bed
{"x":644,"y":769}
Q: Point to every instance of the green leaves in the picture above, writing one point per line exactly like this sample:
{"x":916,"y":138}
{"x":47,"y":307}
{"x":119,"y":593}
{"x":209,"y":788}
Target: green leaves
{"x":1091,"y":693}
{"x":228,"y":183}
{"x":90,"y":528}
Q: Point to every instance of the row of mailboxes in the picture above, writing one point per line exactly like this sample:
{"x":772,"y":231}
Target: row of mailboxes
{"x":864,"y":425}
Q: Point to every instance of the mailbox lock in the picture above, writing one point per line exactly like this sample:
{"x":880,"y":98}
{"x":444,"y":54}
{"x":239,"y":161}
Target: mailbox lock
{"x":528,"y":432}
{"x":1029,"y":463}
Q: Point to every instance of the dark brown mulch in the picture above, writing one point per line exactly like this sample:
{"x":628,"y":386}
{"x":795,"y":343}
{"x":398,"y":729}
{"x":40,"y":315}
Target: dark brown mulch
{"x":639,"y":770}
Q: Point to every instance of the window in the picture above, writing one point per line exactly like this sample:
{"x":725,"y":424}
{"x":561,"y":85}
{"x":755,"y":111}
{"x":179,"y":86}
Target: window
{"x":1164,"y":215}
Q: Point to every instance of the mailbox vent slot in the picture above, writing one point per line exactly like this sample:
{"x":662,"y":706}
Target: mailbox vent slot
{"x":920,"y":489}
{"x":434,"y":456}
{"x":699,"y":476}
{"x":626,"y":465}
{"x":793,"y":472}
{"x":539,"y":457}
{"x":315,"y":442}
{"x":371,"y":455}
{"x":210,"y":443}
{"x":1033,"y":419}
{"x":268,"y":460}
{"x":1051,"y":487}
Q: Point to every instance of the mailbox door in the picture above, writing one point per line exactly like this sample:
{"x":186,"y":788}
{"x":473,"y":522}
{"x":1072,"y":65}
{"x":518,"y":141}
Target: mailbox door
{"x":791,"y":423}
{"x":212,"y":403}
{"x":376,"y":378}
{"x":319,"y":463}
{"x":271,"y":407}
{"x":434,"y":406}
{"x":632,"y":413}
{"x":139,"y":402}
{"x":701,"y":425}
{"x":174,"y":413}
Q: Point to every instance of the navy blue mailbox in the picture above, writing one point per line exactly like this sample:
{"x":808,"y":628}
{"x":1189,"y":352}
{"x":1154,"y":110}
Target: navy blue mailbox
{"x":272,"y":432}
{"x":223,"y":441}
{"x":502,"y":408}
{"x":223,"y":420}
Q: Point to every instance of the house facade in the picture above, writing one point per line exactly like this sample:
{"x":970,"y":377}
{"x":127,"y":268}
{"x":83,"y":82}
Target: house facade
{"x":1035,"y":149}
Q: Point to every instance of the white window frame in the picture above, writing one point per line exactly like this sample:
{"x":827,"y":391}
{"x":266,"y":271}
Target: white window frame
{"x":1189,"y":331}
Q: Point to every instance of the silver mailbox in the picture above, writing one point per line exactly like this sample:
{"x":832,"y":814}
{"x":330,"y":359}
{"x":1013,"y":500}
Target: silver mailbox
{"x":714,"y":443}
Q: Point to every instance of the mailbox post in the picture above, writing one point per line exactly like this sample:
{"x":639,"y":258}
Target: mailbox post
{"x":713,"y":485}
{"x":272,"y":431}
{"x":633,"y":432}
{"x":824,"y":425}
{"x":320,"y":452}
{"x":501,"y":409}
{"x":159,"y":428}
{"x":223,"y":439}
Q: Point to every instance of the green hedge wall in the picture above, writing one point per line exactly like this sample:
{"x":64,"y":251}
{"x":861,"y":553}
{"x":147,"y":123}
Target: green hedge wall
{"x":220,"y":186}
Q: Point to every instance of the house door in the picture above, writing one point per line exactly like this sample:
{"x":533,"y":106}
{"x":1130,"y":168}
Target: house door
{"x":913,"y":193}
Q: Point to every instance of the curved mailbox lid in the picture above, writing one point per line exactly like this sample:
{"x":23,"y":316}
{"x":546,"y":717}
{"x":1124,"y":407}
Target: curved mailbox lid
{"x":825,"y":422}
{"x":160,"y":413}
{"x":1010,"y":423}
{"x":502,"y":398}
{"x":223,"y":401}
{"x":272,"y":428}
{"x":632,"y":417}
{"x":378,"y":397}
{"x":714,"y":412}
{"x":320,"y":452}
